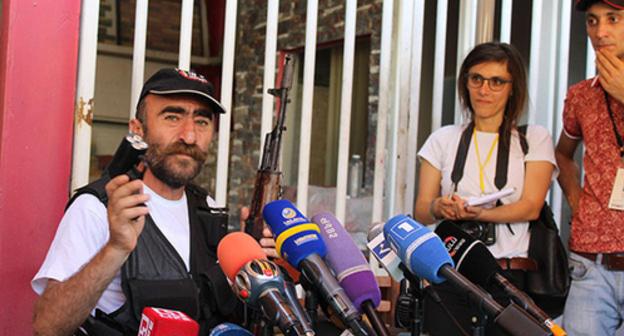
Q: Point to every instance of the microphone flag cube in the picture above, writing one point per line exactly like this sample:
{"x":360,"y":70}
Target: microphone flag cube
{"x":160,"y":321}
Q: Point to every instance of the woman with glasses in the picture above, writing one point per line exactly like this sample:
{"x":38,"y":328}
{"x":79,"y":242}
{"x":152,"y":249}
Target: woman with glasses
{"x":492,"y":87}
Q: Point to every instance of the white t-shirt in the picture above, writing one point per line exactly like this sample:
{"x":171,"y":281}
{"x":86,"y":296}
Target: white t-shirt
{"x":440,"y":150}
{"x":83,"y":231}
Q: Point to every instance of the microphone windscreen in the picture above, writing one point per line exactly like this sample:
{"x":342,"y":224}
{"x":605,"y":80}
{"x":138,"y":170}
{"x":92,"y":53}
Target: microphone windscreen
{"x":421,"y":250}
{"x":295,"y":236}
{"x":472,"y":258}
{"x":347,"y":261}
{"x":161,"y":322}
{"x":235,"y":250}
{"x":229,"y":329}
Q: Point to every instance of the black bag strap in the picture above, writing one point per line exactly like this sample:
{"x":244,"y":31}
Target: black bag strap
{"x":502,"y":156}
{"x":522,"y":131}
{"x":460,"y":156}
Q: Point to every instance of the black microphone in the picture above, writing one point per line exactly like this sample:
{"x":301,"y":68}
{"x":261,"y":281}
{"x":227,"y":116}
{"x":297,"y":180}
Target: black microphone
{"x":423,"y":253}
{"x":474,"y":260}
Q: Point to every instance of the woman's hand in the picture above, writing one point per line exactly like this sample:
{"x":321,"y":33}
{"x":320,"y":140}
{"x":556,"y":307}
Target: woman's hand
{"x":444,"y":208}
{"x":454,"y":208}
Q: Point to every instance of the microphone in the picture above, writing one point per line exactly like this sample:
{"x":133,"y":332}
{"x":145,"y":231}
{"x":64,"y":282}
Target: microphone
{"x":474,"y":260}
{"x":351,"y":268}
{"x":229,"y":329}
{"x":424,"y":254}
{"x":165,"y":322}
{"x":380,"y":249}
{"x":257,"y":281}
{"x":408,"y":309}
{"x":298,"y":241}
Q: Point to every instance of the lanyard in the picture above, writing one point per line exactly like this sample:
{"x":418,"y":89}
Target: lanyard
{"x":487,"y":159}
{"x":618,"y":137}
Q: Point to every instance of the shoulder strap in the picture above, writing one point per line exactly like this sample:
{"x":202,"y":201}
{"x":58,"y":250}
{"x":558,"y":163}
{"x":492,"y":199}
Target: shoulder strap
{"x":522,"y":131}
{"x":502,"y":158}
{"x":95,"y":188}
{"x":460,"y":156}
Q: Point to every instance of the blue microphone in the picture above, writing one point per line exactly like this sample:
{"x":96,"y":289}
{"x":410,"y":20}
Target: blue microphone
{"x":229,"y":329}
{"x":425,"y":255}
{"x":298,"y":240}
{"x":421,"y":250}
{"x":296,"y":237}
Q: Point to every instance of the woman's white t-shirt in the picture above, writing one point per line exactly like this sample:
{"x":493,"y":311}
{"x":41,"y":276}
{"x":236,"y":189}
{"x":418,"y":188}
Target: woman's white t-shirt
{"x":440,"y":150}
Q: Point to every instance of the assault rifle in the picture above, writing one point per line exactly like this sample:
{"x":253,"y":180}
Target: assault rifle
{"x":268,"y":186}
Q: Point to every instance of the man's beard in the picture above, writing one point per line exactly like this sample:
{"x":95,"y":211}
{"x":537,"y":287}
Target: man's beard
{"x":162,"y":163}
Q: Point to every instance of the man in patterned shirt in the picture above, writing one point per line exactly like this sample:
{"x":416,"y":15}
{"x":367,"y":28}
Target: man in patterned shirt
{"x":594,"y":114}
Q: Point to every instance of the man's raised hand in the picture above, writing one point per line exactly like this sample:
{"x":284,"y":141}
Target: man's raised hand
{"x":126,"y":212}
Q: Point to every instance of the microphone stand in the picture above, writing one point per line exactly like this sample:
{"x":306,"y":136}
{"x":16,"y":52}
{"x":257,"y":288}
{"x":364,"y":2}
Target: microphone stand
{"x":378,"y":325}
{"x":478,"y":326}
{"x":512,"y":318}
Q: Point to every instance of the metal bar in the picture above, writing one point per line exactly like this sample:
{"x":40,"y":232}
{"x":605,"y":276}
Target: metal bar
{"x":138,"y":56}
{"x":590,"y":64}
{"x":383,"y":108}
{"x":397,"y":125}
{"x":227,"y":82}
{"x":269,"y":69}
{"x":562,"y":87}
{"x":465,"y":42}
{"x":414,"y":105}
{"x":506,"y":13}
{"x":438,"y":64}
{"x":484,"y":29}
{"x":84,"y":93}
{"x":345,"y":109}
{"x":542,"y":71}
{"x":186,"y":34}
{"x":306,"y":105}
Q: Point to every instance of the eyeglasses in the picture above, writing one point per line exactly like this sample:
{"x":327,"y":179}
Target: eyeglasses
{"x":475,"y":81}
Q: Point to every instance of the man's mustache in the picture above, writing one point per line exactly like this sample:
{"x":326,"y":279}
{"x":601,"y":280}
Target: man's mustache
{"x":181,"y":148}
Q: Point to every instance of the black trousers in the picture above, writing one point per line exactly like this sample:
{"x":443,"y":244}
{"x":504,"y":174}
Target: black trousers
{"x":438,"y":317}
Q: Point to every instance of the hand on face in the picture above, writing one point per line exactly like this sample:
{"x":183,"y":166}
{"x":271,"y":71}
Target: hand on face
{"x":126,"y":212}
{"x":611,"y":70}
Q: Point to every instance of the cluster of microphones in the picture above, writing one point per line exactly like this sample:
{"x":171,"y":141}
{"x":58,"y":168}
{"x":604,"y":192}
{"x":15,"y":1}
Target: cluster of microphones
{"x":337,"y":277}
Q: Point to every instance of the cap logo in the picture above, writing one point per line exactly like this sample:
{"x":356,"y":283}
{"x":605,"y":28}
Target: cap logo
{"x":192,"y":76}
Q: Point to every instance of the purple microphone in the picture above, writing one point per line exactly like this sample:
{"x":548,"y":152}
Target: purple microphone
{"x":351,"y":268}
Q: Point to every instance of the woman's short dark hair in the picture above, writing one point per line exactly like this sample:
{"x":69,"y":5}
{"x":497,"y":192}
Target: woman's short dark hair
{"x":502,"y":53}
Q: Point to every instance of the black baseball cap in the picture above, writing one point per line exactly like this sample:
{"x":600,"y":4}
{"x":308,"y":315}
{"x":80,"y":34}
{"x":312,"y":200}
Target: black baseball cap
{"x":174,"y":81}
{"x":583,"y":5}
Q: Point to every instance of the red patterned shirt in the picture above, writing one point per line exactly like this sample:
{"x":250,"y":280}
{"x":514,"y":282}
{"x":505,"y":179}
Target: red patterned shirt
{"x":595,"y":227}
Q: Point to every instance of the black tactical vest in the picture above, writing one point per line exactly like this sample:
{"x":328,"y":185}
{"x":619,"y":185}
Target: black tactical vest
{"x":155,"y":275}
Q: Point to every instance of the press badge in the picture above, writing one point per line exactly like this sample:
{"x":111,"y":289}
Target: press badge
{"x":617,"y":194}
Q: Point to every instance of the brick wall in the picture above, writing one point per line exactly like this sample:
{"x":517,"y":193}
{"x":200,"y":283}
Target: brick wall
{"x":249,"y":76}
{"x":163,"y":24}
